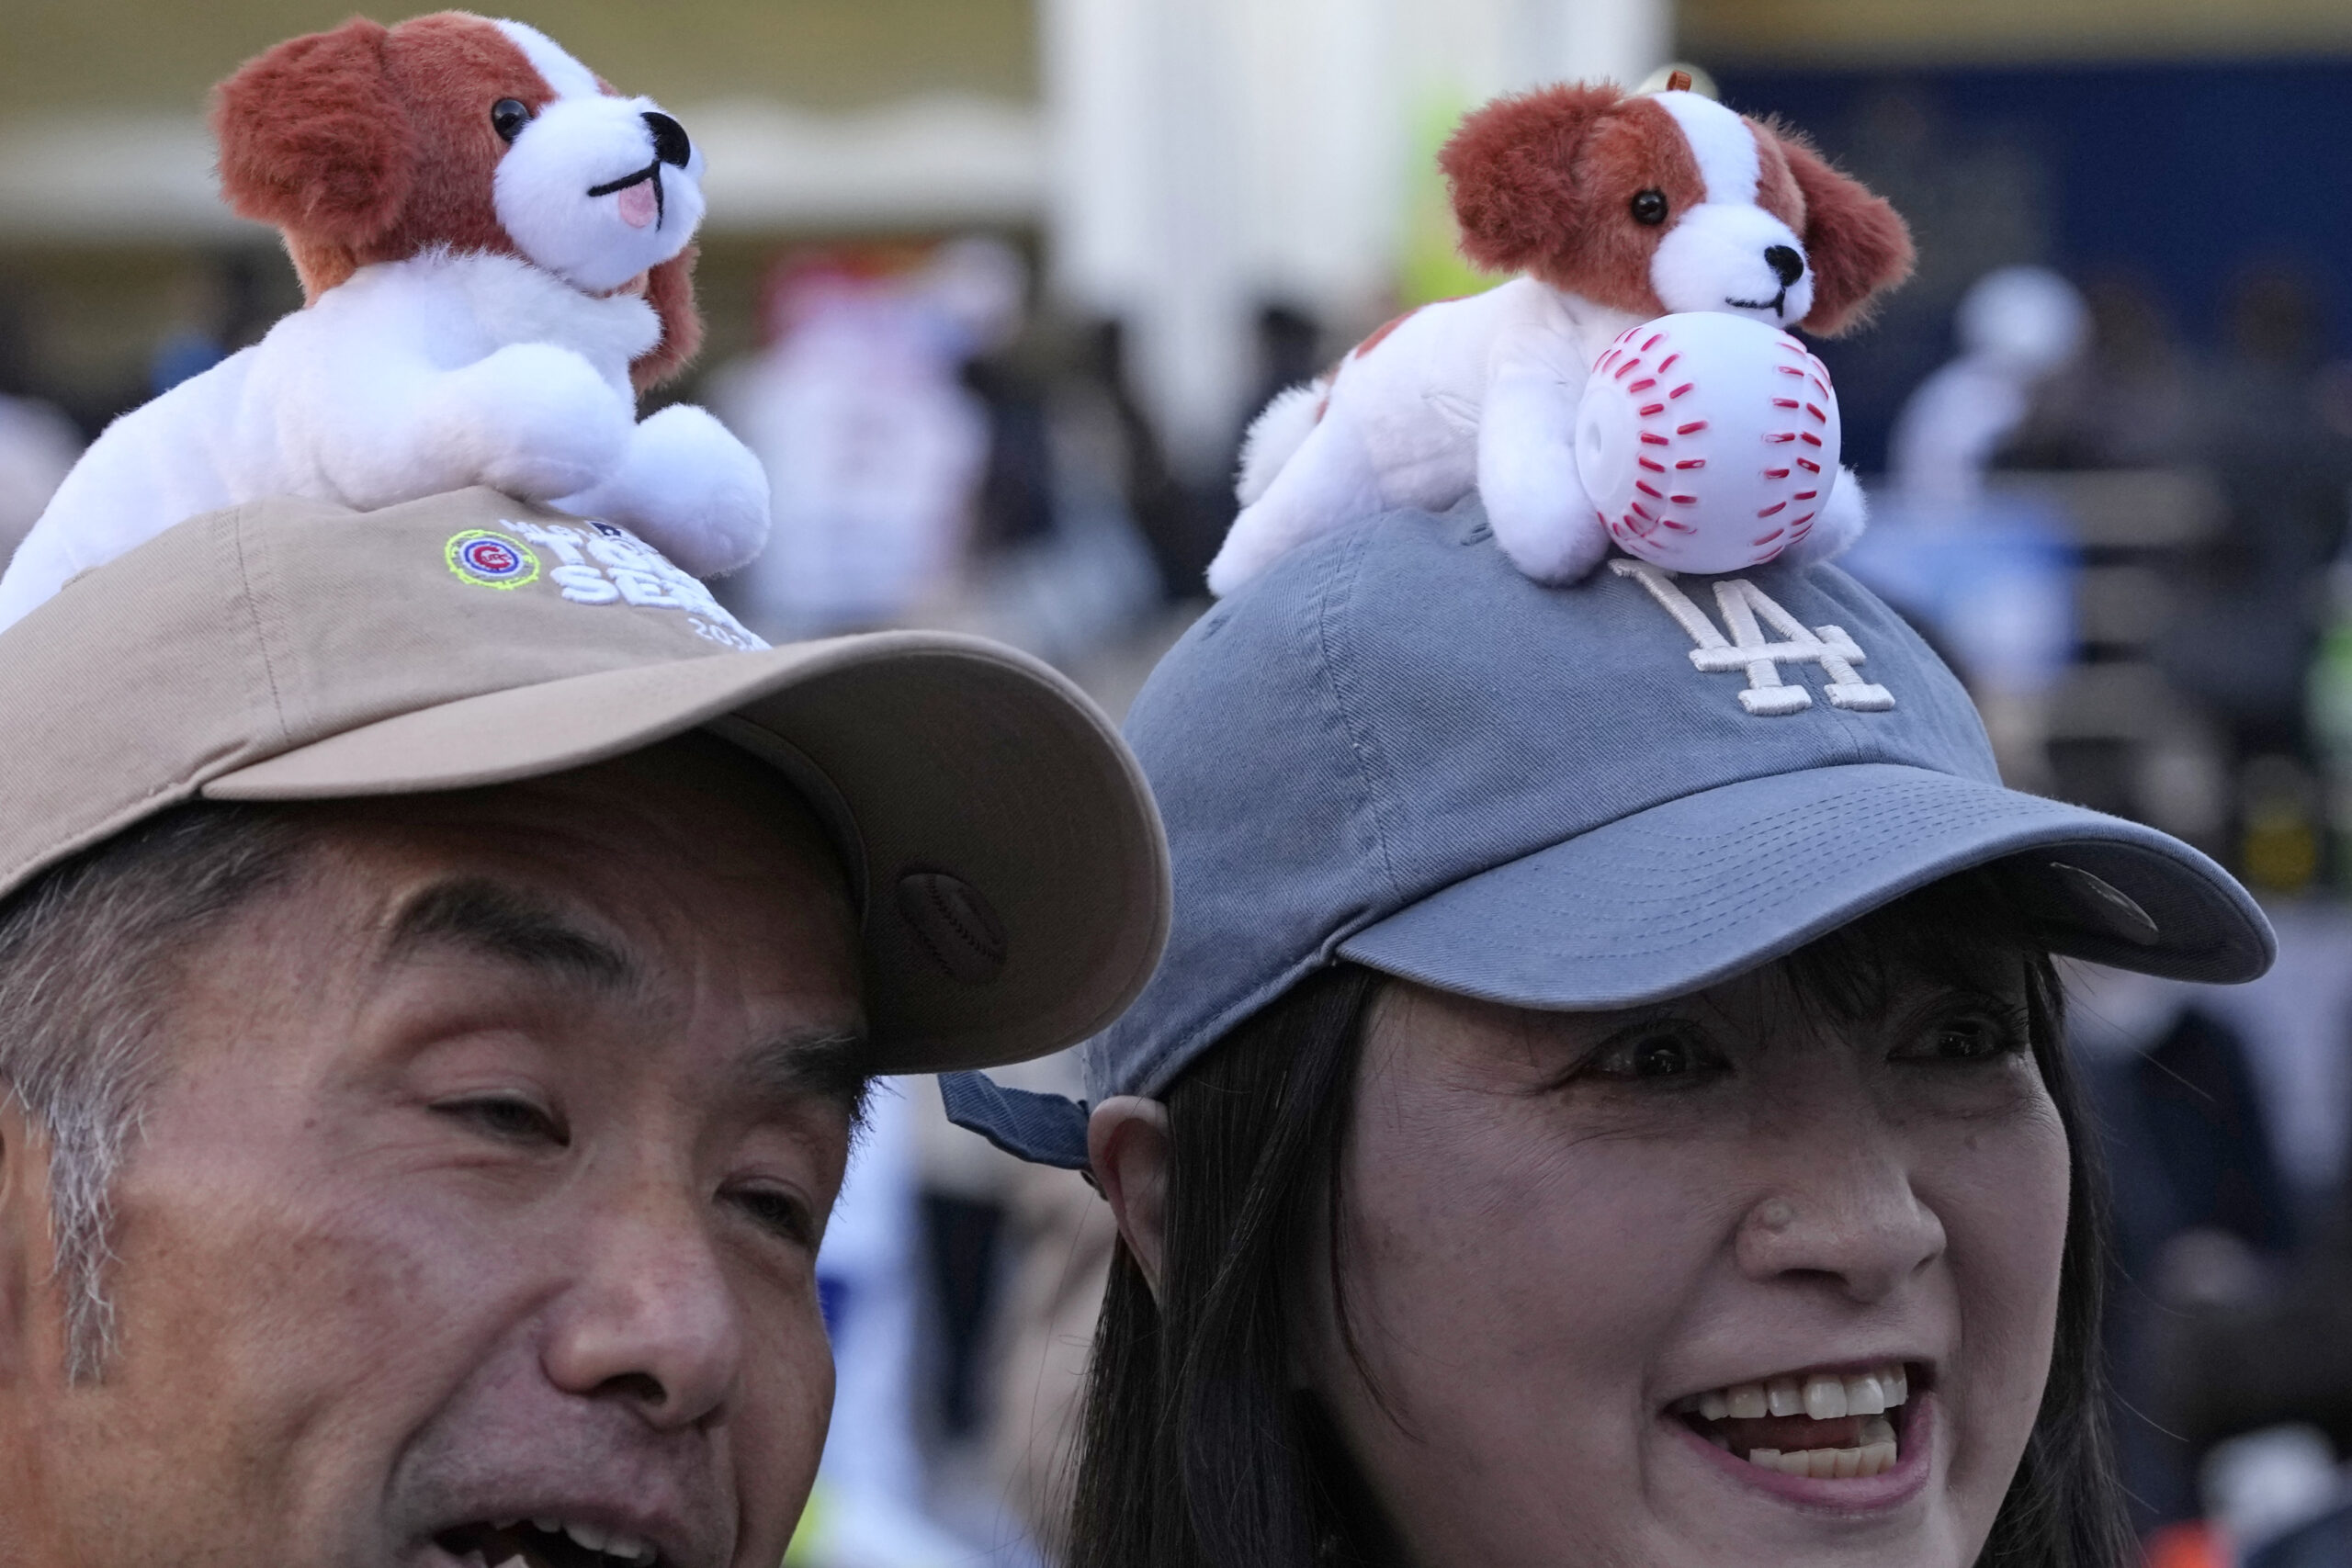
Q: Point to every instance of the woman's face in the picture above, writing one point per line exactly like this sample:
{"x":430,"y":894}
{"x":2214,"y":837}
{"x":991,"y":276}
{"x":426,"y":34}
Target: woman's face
{"x":1601,"y":1267}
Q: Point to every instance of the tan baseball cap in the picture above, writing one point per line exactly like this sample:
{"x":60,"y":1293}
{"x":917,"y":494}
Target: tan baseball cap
{"x":1004,"y":850}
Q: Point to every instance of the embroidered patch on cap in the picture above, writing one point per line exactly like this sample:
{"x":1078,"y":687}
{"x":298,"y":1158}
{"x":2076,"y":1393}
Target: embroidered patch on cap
{"x":490,"y":560}
{"x":1742,"y":603}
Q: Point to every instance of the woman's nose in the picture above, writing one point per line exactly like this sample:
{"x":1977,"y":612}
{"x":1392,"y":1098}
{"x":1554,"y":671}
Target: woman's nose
{"x":654,"y":1322}
{"x":1847,"y":1217}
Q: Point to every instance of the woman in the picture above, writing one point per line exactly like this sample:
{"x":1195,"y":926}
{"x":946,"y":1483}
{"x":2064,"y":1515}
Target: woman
{"x":1596,"y":1108}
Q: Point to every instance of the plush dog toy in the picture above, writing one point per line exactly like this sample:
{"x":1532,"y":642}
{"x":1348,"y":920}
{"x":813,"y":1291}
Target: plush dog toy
{"x":1617,"y":208}
{"x":496,"y":250}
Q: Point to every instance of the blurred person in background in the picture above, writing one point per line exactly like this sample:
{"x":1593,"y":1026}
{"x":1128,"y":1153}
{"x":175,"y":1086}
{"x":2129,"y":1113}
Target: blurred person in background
{"x":2123,"y":401}
{"x":2017,"y":328}
{"x":875,"y":447}
{"x":2202,"y":1210}
{"x":870,"y":1507}
{"x":2255,"y":598}
{"x":1181,"y":529}
{"x":1992,"y":576}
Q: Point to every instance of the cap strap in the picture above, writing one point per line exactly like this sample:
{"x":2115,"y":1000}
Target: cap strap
{"x":1044,"y":1129}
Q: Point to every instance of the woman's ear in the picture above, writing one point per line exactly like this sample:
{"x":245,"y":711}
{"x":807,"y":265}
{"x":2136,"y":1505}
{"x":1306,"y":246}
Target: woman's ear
{"x":313,"y":139}
{"x":1126,"y":1144}
{"x":1512,"y":169}
{"x":669,"y":289}
{"x":1858,"y":245}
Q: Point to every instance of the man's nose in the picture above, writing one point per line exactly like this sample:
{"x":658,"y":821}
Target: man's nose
{"x":1847,"y":1217}
{"x":1786,"y":264}
{"x":670,"y":143}
{"x":651,"y":1320}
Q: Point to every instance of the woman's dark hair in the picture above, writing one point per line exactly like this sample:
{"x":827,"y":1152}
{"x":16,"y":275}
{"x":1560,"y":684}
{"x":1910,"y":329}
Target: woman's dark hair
{"x":1197,"y":1453}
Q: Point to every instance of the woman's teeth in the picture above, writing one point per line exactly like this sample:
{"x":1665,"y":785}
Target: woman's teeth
{"x":1774,"y":1422}
{"x":1877,"y":1451}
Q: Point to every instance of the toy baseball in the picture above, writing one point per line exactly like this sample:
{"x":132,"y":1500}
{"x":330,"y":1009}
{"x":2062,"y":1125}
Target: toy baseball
{"x":1708,"y":443}
{"x":1617,"y":210}
{"x":497,"y":254}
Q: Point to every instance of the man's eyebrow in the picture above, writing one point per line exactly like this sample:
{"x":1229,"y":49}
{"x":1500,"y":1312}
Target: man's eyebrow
{"x":810,"y":1064}
{"x":494,"y":920}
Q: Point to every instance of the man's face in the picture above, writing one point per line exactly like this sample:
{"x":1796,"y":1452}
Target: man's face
{"x":481,"y":1196}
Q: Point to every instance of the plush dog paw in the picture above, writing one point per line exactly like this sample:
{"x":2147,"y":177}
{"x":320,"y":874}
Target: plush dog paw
{"x":687,"y":487}
{"x":1558,"y":541}
{"x":1251,"y":546}
{"x":535,"y":421}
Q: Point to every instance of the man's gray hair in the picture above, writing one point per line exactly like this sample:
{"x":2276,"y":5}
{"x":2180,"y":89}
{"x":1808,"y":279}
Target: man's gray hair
{"x":88,"y":964}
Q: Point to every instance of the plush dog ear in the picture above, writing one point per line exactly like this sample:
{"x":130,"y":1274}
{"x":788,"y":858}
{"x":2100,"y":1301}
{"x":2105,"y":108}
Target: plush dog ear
{"x":1512,"y":169}
{"x":313,"y":139}
{"x":1859,"y":246}
{"x":669,"y":289}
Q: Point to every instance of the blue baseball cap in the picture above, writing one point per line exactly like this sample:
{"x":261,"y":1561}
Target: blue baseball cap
{"x":1393,"y":750}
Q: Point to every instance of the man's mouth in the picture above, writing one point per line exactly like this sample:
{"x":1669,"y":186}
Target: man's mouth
{"x":1831,"y":1425}
{"x":640,"y":193}
{"x":544,"y":1543}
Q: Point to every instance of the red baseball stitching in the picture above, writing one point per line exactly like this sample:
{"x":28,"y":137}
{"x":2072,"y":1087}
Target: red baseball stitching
{"x":1638,"y":521}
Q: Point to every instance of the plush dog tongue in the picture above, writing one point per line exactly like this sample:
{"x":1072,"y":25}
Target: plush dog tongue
{"x":640,"y":206}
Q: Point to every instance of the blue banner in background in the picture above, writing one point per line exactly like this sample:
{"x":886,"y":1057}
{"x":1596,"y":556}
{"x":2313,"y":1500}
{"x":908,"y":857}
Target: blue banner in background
{"x":2178,"y":179}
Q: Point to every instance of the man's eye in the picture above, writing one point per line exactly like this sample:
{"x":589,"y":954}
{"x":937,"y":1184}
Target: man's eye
{"x":509,"y":1118}
{"x":779,"y":1212}
{"x":1657,"y":1054}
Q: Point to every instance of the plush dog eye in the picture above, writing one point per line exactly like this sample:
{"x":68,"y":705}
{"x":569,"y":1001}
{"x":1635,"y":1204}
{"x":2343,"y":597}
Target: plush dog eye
{"x":1649,"y":206}
{"x":508,"y":117}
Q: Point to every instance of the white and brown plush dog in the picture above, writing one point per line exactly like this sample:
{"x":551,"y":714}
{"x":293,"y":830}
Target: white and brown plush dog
{"x":1618,"y":208}
{"x":496,"y":250}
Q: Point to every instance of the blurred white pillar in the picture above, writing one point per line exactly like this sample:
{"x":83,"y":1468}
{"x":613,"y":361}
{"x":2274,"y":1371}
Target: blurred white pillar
{"x":1206,"y":156}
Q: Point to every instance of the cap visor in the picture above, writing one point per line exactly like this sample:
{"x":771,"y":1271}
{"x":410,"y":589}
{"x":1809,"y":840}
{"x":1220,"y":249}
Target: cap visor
{"x":1696,"y":890}
{"x":943,"y":753}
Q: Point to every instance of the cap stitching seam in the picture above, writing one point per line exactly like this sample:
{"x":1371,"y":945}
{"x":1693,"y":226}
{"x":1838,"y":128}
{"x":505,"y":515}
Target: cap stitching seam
{"x":261,"y":639}
{"x":1341,"y":579}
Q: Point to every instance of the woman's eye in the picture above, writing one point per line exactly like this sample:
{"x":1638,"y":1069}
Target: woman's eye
{"x":1649,"y":206}
{"x":1970,"y":1038}
{"x":1654,"y":1055}
{"x":781,"y":1213}
{"x":508,"y":1118}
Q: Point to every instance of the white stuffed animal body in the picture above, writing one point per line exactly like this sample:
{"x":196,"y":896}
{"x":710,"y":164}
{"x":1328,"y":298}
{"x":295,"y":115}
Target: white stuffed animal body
{"x":507,"y":268}
{"x":1620,"y":209}
{"x":411,"y":379}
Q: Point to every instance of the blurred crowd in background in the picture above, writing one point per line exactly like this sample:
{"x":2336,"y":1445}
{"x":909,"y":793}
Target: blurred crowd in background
{"x":1002,"y":283}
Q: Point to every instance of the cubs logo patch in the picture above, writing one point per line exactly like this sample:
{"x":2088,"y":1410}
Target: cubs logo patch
{"x":492,"y":560}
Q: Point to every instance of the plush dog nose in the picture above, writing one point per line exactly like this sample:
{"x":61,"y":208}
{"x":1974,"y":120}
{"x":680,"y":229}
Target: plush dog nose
{"x":1786,"y":265}
{"x":670,"y":143}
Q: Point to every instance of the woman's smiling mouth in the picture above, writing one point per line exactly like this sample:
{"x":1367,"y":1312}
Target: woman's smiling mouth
{"x":1823,"y":1425}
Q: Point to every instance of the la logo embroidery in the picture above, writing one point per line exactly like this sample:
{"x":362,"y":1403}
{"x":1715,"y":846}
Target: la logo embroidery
{"x":1741,"y":602}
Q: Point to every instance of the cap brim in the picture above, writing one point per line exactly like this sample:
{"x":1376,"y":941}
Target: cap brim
{"x":942,"y":753}
{"x":1677,"y":897}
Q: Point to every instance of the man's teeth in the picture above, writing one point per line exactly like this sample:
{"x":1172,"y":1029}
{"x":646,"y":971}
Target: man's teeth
{"x":1875,"y":1453}
{"x":1822,"y":1396}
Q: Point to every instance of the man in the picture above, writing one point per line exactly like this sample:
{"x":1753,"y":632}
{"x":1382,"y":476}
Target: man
{"x":441,"y":954}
